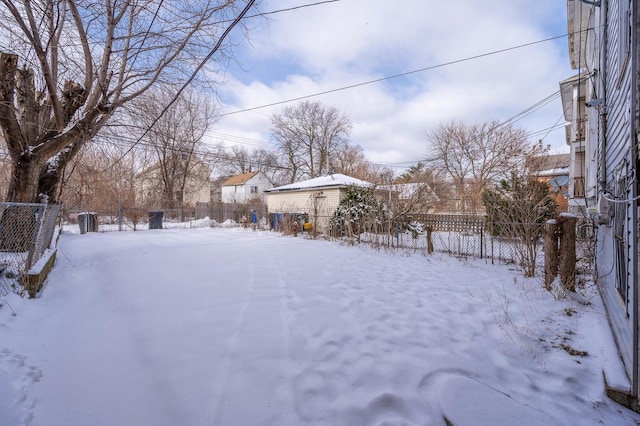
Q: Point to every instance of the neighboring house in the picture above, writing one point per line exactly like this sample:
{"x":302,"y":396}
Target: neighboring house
{"x":554,"y":170}
{"x":582,"y":185}
{"x":318,"y":197}
{"x":245,"y":187}
{"x":603,"y":47}
{"x":216,"y":193}
{"x":150,"y":190}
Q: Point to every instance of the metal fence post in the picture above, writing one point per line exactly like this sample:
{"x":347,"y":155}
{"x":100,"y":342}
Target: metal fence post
{"x":119,"y":215}
{"x":34,"y":237}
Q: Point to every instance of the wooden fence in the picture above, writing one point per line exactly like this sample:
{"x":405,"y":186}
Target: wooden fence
{"x":466,"y":224}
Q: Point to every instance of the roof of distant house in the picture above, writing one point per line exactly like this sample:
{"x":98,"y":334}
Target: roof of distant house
{"x":557,"y":171}
{"x":239,"y":179}
{"x":331,"y":180}
{"x":550,"y":162}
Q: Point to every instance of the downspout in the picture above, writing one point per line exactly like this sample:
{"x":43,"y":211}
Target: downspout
{"x":633,"y":255}
{"x":602,"y":180}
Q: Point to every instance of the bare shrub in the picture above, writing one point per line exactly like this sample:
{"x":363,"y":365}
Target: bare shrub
{"x":517,"y":209}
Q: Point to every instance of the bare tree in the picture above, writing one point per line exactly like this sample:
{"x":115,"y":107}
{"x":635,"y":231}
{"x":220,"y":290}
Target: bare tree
{"x":308,"y":137}
{"x":74,"y":63}
{"x":474,"y":156}
{"x":517,"y":208}
{"x":350,"y":160}
{"x":434,"y":178}
{"x":101,"y":177}
{"x":234,"y":160}
{"x":175,"y":141}
{"x":238,"y":159}
{"x":5,"y":167}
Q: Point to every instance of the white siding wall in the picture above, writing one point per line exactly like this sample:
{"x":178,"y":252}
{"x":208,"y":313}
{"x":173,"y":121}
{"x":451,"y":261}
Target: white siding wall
{"x":617,"y":157}
{"x":229,"y":194}
{"x":260,"y":181}
{"x":325,"y":201}
{"x":197,"y":186}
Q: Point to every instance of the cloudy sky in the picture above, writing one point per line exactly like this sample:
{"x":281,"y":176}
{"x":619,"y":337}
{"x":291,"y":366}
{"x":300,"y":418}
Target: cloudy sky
{"x":462,"y":60}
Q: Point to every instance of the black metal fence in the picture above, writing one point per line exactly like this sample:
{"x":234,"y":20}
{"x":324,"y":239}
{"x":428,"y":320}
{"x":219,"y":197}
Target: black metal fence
{"x":140,"y":218}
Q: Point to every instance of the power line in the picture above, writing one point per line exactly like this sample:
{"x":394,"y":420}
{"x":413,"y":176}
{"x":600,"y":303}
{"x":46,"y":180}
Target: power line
{"x":195,"y":72}
{"x":554,"y":127}
{"x":239,"y":139}
{"x":289,"y":9}
{"x":532,"y":108}
{"x":404,"y":74}
{"x":256,"y":142}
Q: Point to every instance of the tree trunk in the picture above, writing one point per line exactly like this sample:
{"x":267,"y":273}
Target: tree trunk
{"x":31,"y":179}
{"x":23,"y":187}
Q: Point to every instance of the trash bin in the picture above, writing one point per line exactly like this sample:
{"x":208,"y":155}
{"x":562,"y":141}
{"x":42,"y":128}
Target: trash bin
{"x":155,"y":219}
{"x":88,"y":222}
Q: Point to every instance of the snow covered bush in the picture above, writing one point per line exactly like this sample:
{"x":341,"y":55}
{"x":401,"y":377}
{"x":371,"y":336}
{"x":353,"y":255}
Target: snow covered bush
{"x":415,"y":228}
{"x":359,"y":211}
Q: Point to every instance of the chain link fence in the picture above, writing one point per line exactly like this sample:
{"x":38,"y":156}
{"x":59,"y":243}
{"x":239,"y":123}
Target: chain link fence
{"x":462,"y":236}
{"x":26,"y":232}
{"x":453,"y":237}
{"x":140,"y":218}
{"x":128,"y":219}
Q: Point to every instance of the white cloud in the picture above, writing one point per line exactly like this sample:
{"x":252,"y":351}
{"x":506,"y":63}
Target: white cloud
{"x":329,"y":46}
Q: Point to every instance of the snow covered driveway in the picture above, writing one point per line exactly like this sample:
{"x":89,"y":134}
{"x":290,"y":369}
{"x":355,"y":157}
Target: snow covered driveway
{"x":234,"y":327}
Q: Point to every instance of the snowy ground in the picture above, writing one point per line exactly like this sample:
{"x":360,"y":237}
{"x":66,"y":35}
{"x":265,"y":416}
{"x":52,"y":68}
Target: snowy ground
{"x":236,"y":327}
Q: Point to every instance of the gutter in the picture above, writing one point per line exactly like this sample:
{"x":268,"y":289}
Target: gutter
{"x":309,"y":188}
{"x":602,"y":181}
{"x":635,"y":50}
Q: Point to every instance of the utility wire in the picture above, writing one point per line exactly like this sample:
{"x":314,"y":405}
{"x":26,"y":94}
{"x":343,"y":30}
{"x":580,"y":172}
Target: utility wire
{"x":529,"y":110}
{"x":194,"y":73}
{"x":289,"y":9}
{"x":404,"y":74}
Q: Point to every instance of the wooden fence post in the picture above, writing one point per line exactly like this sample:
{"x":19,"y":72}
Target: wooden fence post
{"x":550,"y":253}
{"x":429,"y":230}
{"x":568,"y":251}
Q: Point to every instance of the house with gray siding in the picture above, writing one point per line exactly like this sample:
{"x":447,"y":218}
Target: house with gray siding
{"x":601,"y":103}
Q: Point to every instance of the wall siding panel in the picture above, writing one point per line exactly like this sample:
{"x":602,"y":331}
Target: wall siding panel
{"x":617,"y":154}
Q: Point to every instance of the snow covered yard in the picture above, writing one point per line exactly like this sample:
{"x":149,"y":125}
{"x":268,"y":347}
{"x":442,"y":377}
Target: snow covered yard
{"x":235,"y":327}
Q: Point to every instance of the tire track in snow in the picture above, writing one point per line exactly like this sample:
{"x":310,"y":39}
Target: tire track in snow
{"x":284,"y":388}
{"x":225,"y":367}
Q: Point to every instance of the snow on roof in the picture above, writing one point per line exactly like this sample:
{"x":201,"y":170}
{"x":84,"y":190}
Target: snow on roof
{"x":549,"y":162}
{"x":558,"y":171}
{"x":335,"y":179}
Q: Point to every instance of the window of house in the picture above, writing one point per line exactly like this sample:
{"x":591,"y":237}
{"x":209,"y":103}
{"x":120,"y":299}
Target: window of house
{"x":254,"y":189}
{"x":578,"y":175}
